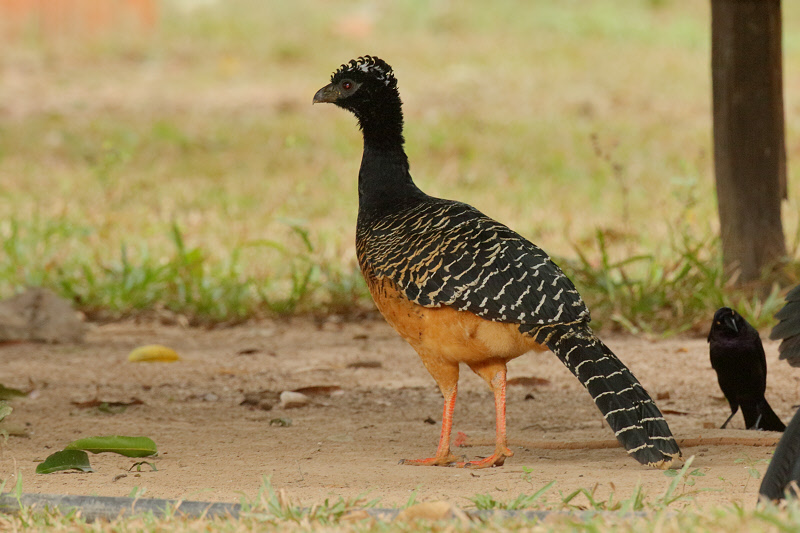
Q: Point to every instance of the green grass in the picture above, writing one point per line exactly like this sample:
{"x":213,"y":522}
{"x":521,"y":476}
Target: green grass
{"x":183,"y":282}
{"x":272,"y":509}
{"x":185,"y":170}
{"x":708,"y":519}
{"x":680,"y":488}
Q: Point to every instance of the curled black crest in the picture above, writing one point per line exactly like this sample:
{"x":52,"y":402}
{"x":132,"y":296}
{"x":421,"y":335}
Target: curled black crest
{"x":370,"y":65}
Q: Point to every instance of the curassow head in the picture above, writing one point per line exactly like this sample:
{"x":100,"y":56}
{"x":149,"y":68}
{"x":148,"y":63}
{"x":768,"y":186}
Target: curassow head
{"x":367,"y":87}
{"x":355,"y":82}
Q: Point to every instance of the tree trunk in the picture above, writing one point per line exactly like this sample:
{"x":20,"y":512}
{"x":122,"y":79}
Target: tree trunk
{"x":749,"y":149}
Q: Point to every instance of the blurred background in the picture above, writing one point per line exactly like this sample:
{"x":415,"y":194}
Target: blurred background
{"x":163,"y":157}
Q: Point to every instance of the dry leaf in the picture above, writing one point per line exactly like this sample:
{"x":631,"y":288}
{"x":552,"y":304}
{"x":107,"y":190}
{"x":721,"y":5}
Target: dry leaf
{"x":318,"y":390}
{"x":365,"y":364}
{"x":528,"y":381}
{"x":673,"y":412}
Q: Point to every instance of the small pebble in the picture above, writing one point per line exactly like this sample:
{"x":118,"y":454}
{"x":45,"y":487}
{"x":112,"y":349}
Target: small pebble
{"x":291,"y":399}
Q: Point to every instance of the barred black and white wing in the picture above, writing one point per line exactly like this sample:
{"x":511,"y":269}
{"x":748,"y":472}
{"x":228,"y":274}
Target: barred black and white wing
{"x":449,"y":253}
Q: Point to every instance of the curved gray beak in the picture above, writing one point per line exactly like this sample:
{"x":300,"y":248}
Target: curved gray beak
{"x":328,"y":94}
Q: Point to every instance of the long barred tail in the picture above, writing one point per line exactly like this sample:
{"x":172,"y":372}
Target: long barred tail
{"x":633,"y":416}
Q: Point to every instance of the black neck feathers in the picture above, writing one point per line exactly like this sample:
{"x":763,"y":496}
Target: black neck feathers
{"x":367,"y":87}
{"x":384,"y":181}
{"x":381,"y":120}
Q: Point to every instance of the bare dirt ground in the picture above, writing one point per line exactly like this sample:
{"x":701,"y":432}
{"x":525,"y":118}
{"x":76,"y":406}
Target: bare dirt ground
{"x":349,"y":440}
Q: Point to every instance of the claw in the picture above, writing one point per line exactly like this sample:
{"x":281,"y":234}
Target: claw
{"x":496,"y":459}
{"x":489,"y":462}
{"x":446,"y":460}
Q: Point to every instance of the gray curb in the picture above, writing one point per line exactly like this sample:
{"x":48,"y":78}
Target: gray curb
{"x":109,"y":508}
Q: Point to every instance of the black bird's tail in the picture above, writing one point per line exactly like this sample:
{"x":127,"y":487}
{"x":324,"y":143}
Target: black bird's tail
{"x":761,"y":416}
{"x":636,"y":421}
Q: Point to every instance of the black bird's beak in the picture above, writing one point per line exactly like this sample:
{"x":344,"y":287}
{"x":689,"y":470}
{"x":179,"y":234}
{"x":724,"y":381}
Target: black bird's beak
{"x":731,"y":323}
{"x":328,"y":94}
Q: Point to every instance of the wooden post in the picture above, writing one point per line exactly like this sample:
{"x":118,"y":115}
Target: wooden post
{"x":749,"y":149}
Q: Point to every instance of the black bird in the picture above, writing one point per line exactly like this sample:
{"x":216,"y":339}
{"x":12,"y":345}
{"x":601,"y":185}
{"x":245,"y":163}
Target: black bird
{"x":785,"y":464}
{"x":463,"y":288}
{"x":788,"y":329}
{"x":738,"y":358}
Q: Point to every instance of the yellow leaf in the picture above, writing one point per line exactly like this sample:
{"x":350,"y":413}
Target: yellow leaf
{"x":153,"y":353}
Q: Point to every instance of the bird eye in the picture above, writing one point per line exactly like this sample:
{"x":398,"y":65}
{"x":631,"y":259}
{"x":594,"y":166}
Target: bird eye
{"x":347,"y":85}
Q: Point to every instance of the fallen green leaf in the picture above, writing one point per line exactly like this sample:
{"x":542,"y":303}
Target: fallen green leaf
{"x":65,"y":460}
{"x":127,"y":446}
{"x":5,"y":410}
{"x":7,"y":393}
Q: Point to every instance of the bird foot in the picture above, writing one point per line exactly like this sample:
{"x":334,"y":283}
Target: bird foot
{"x":496,"y":459}
{"x":443,"y":460}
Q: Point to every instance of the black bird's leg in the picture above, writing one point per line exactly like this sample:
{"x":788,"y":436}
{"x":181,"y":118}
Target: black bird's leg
{"x":729,"y":418}
{"x":757,"y":424}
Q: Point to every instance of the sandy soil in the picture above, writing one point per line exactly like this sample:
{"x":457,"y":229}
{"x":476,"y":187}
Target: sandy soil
{"x":381,"y":406}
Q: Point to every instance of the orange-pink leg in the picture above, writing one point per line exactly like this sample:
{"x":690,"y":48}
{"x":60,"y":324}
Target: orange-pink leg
{"x":443,"y":456}
{"x":495,"y":375}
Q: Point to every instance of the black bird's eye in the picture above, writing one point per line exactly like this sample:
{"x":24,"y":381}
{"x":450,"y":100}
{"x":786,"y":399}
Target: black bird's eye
{"x":347,"y":85}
